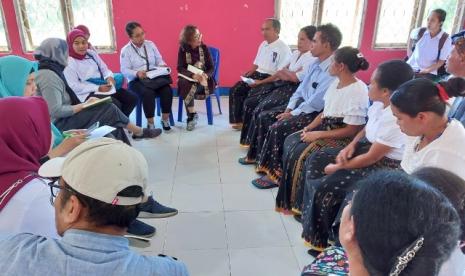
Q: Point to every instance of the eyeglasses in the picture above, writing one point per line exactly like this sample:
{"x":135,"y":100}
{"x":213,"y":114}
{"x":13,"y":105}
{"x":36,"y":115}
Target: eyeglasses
{"x":55,"y":189}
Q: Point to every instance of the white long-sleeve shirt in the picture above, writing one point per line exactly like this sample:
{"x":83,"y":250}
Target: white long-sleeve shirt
{"x":133,"y":59}
{"x":77,"y":72}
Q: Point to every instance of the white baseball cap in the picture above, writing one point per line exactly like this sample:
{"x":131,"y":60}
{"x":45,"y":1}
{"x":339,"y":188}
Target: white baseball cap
{"x":100,"y":169}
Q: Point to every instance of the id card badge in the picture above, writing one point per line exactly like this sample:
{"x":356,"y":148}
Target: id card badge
{"x":275,"y":56}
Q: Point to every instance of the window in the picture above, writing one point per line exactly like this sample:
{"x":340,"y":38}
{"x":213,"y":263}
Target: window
{"x":40,"y":19}
{"x":96,"y":15}
{"x":394,"y":23}
{"x":347,"y":17}
{"x":397,"y":18}
{"x":295,"y":14}
{"x":4,"y":43}
{"x":450,"y":6}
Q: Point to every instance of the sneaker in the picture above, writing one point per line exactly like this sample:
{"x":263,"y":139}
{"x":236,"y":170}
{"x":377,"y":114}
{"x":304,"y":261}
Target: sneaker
{"x":153,"y":209}
{"x":142,"y":229}
{"x":190,"y":125}
{"x":166,"y":125}
{"x":147,"y":133}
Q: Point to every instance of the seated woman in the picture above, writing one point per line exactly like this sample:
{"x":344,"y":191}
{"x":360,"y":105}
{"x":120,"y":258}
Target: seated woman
{"x":395,"y":225}
{"x":346,"y":104}
{"x":88,"y":76}
{"x":137,"y":58}
{"x":17,"y":79}
{"x":432,"y":47}
{"x":453,"y":187}
{"x":25,"y":137}
{"x":193,"y":52}
{"x":331,"y":175}
{"x":66,"y":110}
{"x":277,"y":89}
{"x":420,"y":108}
{"x":86,"y":32}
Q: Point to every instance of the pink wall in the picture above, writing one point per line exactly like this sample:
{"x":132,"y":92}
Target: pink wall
{"x":232,"y":26}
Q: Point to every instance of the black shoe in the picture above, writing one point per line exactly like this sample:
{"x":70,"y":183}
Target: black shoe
{"x":298,"y":218}
{"x":147,"y":133}
{"x":142,"y":229}
{"x":166,"y":125}
{"x":153,"y":209}
{"x":314,"y":253}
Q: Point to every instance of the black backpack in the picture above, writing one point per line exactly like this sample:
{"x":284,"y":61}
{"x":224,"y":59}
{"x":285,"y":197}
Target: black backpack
{"x":441,"y":70}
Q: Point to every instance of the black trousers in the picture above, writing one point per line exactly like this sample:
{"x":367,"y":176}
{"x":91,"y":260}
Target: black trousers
{"x":149,"y":95}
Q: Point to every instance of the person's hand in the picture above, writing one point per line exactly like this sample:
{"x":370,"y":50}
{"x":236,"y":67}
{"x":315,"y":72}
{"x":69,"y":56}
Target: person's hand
{"x":91,"y":100}
{"x":332,"y":168}
{"x":197,"y":77}
{"x":425,"y":71}
{"x":248,"y":73}
{"x":256,"y":83}
{"x":310,"y":136}
{"x":307,"y":129}
{"x":346,"y":154}
{"x":111,"y":81}
{"x":141,"y":74}
{"x":284,"y":116}
{"x":70,"y":143}
{"x":104,"y":88}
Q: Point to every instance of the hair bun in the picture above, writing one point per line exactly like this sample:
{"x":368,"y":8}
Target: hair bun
{"x":454,"y":87}
{"x":364,"y":64}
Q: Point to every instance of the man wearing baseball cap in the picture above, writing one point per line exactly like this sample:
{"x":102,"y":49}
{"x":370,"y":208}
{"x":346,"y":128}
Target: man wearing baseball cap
{"x":100,"y":186}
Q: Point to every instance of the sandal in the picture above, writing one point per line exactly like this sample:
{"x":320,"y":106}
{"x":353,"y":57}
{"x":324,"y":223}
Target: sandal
{"x":245,"y":161}
{"x":261,"y":183}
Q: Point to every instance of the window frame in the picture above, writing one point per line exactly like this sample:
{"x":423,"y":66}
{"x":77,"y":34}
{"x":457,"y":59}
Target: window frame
{"x":419,"y":6}
{"x":317,"y":15}
{"x":8,"y":42}
{"x":68,"y":22}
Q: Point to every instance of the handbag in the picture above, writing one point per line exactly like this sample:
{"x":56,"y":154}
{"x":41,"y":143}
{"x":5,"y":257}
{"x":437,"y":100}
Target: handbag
{"x":157,"y":82}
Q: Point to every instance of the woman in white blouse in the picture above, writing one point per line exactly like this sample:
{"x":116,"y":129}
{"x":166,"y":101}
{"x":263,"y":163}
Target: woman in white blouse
{"x":88,"y":75}
{"x":137,"y":59}
{"x":332,"y":174}
{"x":437,"y":141}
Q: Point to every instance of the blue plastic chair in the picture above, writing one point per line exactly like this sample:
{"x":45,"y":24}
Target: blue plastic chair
{"x":158,"y":108}
{"x":215,"y":53}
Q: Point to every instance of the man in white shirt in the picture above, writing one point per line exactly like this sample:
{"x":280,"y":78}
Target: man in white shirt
{"x":432,"y":48}
{"x":273,"y":55}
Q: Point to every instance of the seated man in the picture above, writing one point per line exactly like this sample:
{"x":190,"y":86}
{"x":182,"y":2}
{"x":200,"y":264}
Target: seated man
{"x":273,"y":55}
{"x":101,"y":184}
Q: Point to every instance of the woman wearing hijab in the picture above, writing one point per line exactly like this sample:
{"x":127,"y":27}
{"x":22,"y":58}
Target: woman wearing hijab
{"x":88,"y":76}
{"x":25,"y":137}
{"x":17,"y":77}
{"x":65,"y":108}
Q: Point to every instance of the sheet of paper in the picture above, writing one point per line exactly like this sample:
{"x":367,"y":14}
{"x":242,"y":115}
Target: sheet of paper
{"x":112,"y":91}
{"x":186,"y":77}
{"x":247,"y":80}
{"x":158,"y":71}
{"x":194,"y":69}
{"x":100,"y":132}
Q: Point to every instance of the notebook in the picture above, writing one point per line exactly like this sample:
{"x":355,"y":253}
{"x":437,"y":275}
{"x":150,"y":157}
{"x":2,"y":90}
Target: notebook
{"x":97,"y":102}
{"x":158,"y":71}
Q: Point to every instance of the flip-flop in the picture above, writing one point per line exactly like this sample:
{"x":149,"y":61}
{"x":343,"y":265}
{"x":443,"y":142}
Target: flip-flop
{"x":261,"y":183}
{"x":244,"y":161}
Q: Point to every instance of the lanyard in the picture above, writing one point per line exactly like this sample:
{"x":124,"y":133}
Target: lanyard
{"x":146,"y":58}
{"x":98,"y":66}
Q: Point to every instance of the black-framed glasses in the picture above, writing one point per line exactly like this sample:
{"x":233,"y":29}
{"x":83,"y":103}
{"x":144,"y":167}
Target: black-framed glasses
{"x":55,"y":189}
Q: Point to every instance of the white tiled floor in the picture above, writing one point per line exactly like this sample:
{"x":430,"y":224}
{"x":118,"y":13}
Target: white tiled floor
{"x":225,"y":225}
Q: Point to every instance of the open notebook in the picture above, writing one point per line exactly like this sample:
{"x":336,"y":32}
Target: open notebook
{"x":97,"y":102}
